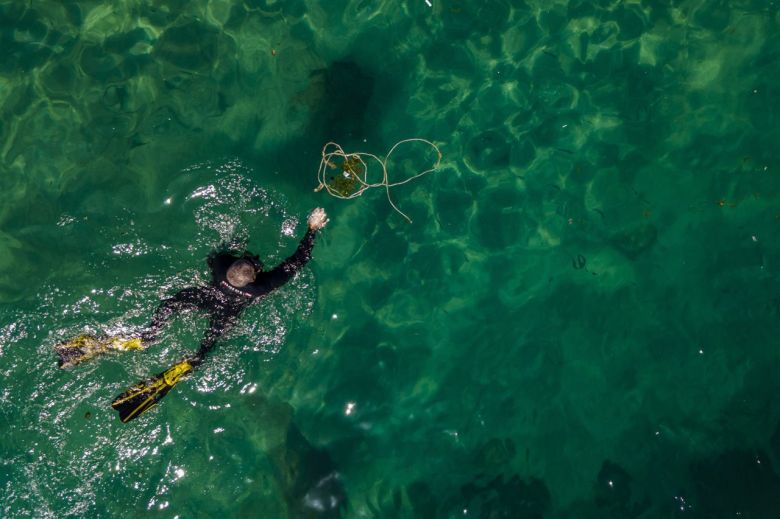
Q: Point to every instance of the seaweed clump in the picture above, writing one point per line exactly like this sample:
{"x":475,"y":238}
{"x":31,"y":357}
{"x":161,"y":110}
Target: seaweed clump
{"x":347,"y":181}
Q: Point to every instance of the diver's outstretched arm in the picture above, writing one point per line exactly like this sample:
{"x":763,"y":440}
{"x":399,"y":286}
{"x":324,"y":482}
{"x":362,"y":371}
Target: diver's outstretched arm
{"x":267,"y":281}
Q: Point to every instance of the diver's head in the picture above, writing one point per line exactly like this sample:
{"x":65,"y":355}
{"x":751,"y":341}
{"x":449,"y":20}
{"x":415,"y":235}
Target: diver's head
{"x":241,"y":273}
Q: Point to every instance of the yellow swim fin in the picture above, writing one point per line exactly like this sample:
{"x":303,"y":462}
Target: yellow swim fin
{"x":143,"y":396}
{"x":84,"y":347}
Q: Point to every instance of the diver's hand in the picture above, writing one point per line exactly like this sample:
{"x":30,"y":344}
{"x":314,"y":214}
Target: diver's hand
{"x":318,"y":219}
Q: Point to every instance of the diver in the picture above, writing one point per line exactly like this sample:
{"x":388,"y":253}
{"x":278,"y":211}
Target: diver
{"x":237,"y":282}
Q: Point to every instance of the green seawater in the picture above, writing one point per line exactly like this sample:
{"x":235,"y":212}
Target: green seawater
{"x":583,"y":319}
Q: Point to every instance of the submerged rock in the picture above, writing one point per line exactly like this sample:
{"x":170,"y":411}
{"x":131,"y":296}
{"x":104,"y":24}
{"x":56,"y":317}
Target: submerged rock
{"x":312,"y":486}
{"x":422,"y":499}
{"x":735,"y":483}
{"x":305,"y":475}
{"x":613,"y":493}
{"x":496,"y":452}
{"x":635,"y":240}
{"x":613,"y":486}
{"x":507,"y":497}
{"x":191,"y":46}
{"x":488,"y":151}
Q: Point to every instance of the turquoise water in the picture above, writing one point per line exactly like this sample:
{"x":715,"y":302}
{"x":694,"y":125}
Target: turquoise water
{"x":581,"y":321}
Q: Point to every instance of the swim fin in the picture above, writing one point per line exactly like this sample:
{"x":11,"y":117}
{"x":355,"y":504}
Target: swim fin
{"x":84,"y":347}
{"x":143,"y":396}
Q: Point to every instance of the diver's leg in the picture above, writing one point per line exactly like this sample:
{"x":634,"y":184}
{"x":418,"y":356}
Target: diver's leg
{"x":221,"y":322}
{"x":84,"y":347}
{"x":187,"y":299}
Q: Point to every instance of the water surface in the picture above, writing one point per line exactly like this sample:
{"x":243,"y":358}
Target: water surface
{"x":581,"y":321}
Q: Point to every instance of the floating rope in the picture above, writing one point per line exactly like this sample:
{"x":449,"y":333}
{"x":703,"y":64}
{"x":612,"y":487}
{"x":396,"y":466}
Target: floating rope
{"x":351,"y":180}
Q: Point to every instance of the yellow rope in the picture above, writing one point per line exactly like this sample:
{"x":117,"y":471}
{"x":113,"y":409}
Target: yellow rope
{"x":355,"y":172}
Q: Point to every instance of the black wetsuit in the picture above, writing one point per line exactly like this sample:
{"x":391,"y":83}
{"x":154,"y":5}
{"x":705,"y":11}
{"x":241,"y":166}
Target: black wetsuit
{"x":224,"y":302}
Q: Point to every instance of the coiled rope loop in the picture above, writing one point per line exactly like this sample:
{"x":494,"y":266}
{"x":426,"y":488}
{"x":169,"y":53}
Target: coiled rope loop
{"x":352,"y":181}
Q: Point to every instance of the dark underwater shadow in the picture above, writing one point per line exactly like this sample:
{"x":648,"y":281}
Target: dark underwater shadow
{"x":305,"y":475}
{"x":312,"y":484}
{"x":345,"y":101}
